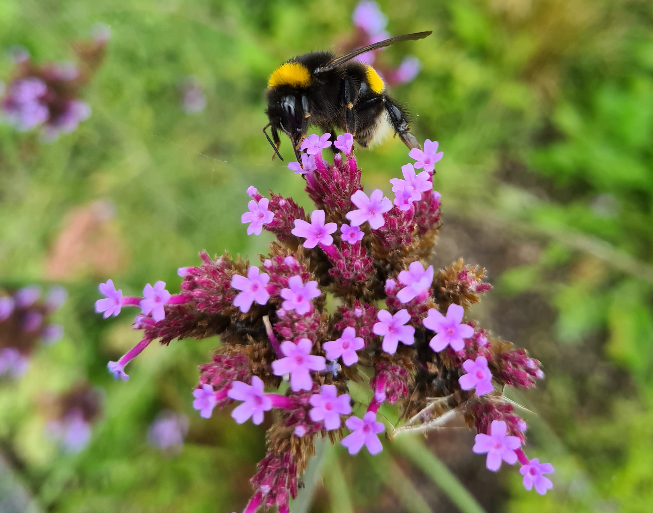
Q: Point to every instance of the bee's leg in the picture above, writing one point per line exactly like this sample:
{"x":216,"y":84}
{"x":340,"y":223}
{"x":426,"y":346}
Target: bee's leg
{"x":400,"y":124}
{"x":348,"y":100}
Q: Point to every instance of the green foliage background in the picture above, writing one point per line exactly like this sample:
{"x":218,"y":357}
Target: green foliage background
{"x":544,"y":109}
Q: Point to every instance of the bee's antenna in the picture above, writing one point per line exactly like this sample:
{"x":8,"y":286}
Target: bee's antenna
{"x":271,"y":143}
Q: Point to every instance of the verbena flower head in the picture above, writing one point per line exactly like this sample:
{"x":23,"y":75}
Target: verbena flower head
{"x":345,"y":143}
{"x":388,"y":290}
{"x":25,"y":324}
{"x":47,"y":97}
{"x":533,"y":473}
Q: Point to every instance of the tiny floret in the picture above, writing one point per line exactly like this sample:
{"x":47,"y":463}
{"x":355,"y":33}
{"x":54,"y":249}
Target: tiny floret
{"x":416,"y":184}
{"x":416,"y":281}
{"x":112,"y":303}
{"x":393,"y":329}
{"x":428,"y":158}
{"x":450,"y":331}
{"x":345,"y":143}
{"x":253,"y":288}
{"x":258,"y":216}
{"x":298,"y":362}
{"x":478,"y":375}
{"x":255,"y":402}
{"x":118,"y":370}
{"x":307,"y":165}
{"x":204,"y":401}
{"x":298,"y":296}
{"x":369,"y":209}
{"x":316,"y":232}
{"x":533,"y":475}
{"x":351,"y":234}
{"x":365,"y":432}
{"x":155,"y":298}
{"x":328,"y":406}
{"x":314,"y":143}
{"x":498,"y":445}
{"x":345,"y":347}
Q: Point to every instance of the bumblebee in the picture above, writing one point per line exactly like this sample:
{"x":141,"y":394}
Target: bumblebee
{"x":331,"y":93}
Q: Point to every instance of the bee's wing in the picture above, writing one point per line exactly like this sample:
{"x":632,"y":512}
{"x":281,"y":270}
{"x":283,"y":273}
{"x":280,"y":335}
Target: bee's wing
{"x":381,"y":44}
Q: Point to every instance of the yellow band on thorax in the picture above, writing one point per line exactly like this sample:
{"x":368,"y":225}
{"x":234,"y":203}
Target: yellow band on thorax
{"x":374,"y":80}
{"x":291,"y":74}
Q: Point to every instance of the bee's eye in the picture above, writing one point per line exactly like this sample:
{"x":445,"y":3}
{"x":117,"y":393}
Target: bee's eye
{"x":288,"y":105}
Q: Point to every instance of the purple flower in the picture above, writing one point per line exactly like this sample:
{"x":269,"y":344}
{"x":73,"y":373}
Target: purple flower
{"x":253,"y":289}
{"x":193,"y":97}
{"x":450,"y":331}
{"x":532,"y":473}
{"x":365,"y":432}
{"x":118,"y":370}
{"x":32,"y":321}
{"x":7,"y":304}
{"x":497,"y":445}
{"x":258,"y":216}
{"x":298,"y":363}
{"x":72,"y":432}
{"x":52,"y":334}
{"x":412,"y":182}
{"x":369,"y":209}
{"x":404,"y":199}
{"x":316,"y":232}
{"x":478,"y":375}
{"x":112,"y":303}
{"x":12,"y":362}
{"x":205,"y":400}
{"x":67,"y":121}
{"x":393,"y":329}
{"x":328,"y":407}
{"x":27,"y":296}
{"x":168,"y":431}
{"x":416,"y":279}
{"x":428,"y":157}
{"x":23,"y":106}
{"x":407,"y":70}
{"x":155,"y":298}
{"x":314,"y":143}
{"x":345,"y":143}
{"x":369,"y":17}
{"x":255,"y":400}
{"x":298,"y":296}
{"x":351,"y":234}
{"x":55,"y":298}
{"x":345,"y":347}
{"x":307,"y":165}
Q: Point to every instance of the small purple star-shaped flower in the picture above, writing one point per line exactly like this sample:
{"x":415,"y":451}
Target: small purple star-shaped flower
{"x":155,"y":298}
{"x":255,"y":401}
{"x":328,"y":406}
{"x":533,"y":475}
{"x":112,"y":303}
{"x":498,"y":446}
{"x":416,"y":281}
{"x":351,"y":234}
{"x":345,"y":143}
{"x":258,"y":216}
{"x":253,"y":288}
{"x":298,"y":296}
{"x":408,"y":69}
{"x":478,"y":375}
{"x":365,"y":432}
{"x":7,"y":304}
{"x":404,"y":199}
{"x":118,"y":370}
{"x":316,"y":232}
{"x":450,"y":331}
{"x":415,"y":183}
{"x":307,"y":165}
{"x":428,"y":157}
{"x":369,"y":209}
{"x":345,"y":347}
{"x":393,"y":330}
{"x":298,"y":363}
{"x":204,"y":401}
{"x":314,"y":143}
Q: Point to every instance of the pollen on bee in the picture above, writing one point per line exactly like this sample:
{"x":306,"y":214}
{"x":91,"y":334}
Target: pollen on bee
{"x":374,"y":80}
{"x":292,"y":74}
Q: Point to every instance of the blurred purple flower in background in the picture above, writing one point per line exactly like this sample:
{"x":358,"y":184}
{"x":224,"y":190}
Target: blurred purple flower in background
{"x":167,"y":431}
{"x":193,"y":99}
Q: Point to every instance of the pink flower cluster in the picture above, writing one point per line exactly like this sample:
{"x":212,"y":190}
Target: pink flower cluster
{"x":363,"y":249}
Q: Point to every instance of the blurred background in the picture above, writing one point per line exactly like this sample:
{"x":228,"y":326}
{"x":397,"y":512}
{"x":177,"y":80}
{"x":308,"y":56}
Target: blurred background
{"x":544,"y":111}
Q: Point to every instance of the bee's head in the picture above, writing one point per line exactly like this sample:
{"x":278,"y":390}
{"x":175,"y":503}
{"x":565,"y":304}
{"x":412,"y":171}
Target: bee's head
{"x":286,"y":114}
